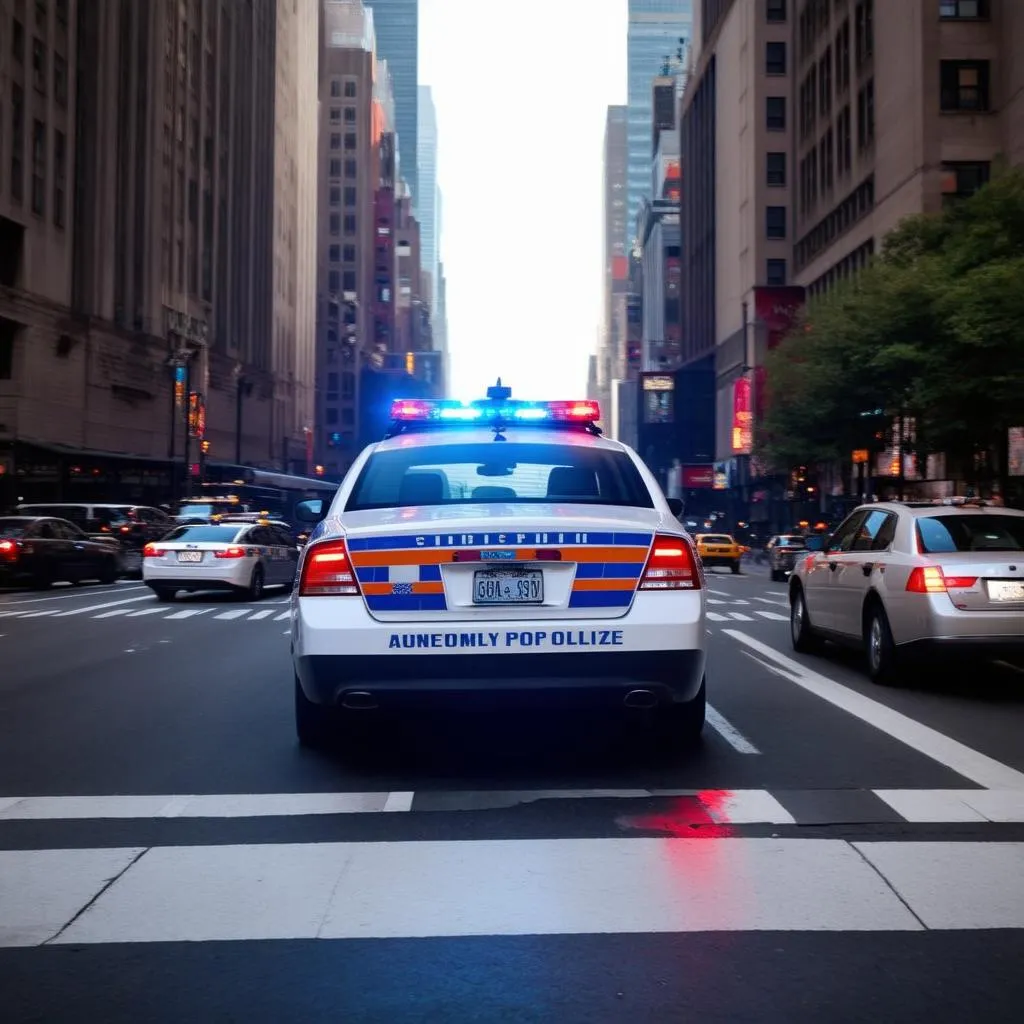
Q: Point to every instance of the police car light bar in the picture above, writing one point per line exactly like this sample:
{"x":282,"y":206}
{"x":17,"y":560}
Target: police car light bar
{"x":420,"y":410}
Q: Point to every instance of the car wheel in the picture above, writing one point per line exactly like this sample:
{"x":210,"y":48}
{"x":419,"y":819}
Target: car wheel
{"x":735,"y":568}
{"x":164,"y":594}
{"x":776,"y":576}
{"x":43,"y":578}
{"x":314,"y":723}
{"x":805,"y":640}
{"x":681,"y":725}
{"x":255,"y":591}
{"x":879,"y":648}
{"x":108,"y":571}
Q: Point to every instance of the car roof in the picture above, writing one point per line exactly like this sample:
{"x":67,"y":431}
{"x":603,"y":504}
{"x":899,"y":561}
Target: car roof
{"x":922,"y":510}
{"x":24,"y":519}
{"x":482,"y":435}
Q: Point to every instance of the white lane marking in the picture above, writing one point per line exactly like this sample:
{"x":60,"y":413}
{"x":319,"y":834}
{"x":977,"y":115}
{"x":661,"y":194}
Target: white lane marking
{"x":729,"y":732}
{"x":772,"y":600}
{"x":930,"y":805}
{"x":714,"y":600}
{"x":745,"y":807}
{"x":282,"y":616}
{"x":189,"y":612}
{"x":739,"y":600}
{"x":69,"y":595}
{"x":106,"y":604}
{"x":265,"y":614}
{"x":986,"y":892}
{"x":37,"y":615}
{"x":235,"y":613}
{"x":486,"y":887}
{"x":717,"y":617}
{"x":774,"y":616}
{"x":110,"y":615}
{"x":145,"y":611}
{"x":398,"y":801}
{"x":720,"y":593}
{"x":958,"y":757}
{"x":740,"y":616}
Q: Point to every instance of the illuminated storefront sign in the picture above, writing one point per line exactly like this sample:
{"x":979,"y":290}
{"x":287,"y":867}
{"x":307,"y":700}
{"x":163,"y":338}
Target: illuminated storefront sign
{"x":742,"y":417}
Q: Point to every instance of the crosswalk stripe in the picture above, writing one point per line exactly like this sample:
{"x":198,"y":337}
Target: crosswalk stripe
{"x":715,"y":600}
{"x":235,"y":613}
{"x":106,"y":604}
{"x":282,"y":616}
{"x":39,"y":615}
{"x":739,"y":600}
{"x":775,"y":616}
{"x":265,"y":614}
{"x":145,"y":611}
{"x":110,"y":615}
{"x":718,"y":617}
{"x":772,"y":600}
{"x":740,"y":616}
{"x":189,"y":612}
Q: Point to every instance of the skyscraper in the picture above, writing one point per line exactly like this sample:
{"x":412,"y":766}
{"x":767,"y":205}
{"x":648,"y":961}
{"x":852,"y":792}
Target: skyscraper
{"x":427,"y":199}
{"x":655,"y":28}
{"x":396,"y":25}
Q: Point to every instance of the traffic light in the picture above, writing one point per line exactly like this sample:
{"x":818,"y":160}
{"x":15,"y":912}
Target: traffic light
{"x":204,"y":447}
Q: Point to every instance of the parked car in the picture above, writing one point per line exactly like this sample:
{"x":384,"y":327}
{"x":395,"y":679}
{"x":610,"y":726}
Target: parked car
{"x":41,"y":550}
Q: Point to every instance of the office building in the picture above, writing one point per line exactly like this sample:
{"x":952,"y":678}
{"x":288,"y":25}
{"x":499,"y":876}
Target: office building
{"x":427,"y":200}
{"x":396,"y":28}
{"x":656,"y":33}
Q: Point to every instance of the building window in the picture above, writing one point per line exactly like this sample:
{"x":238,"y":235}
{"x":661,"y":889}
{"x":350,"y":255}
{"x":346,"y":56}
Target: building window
{"x":775,"y":58}
{"x":60,"y":171}
{"x":350,"y":140}
{"x":332,"y":385}
{"x":334,"y":224}
{"x":963,"y":10}
{"x":335,"y":87}
{"x":965,"y":85}
{"x":39,"y":65}
{"x":18,"y":42}
{"x":17,"y":143}
{"x":776,"y":169}
{"x":350,"y":223}
{"x":349,"y":255}
{"x":842,"y":50}
{"x":335,"y":115}
{"x":333,"y":282}
{"x":348,"y":385}
{"x":334,"y":168}
{"x":350,"y":281}
{"x":334,"y":195}
{"x":775,"y":221}
{"x":60,"y":80}
{"x":332,"y":417}
{"x":844,"y":142}
{"x":350,"y":168}
{"x":825,"y":83}
{"x":775,"y":109}
{"x":334,"y":254}
{"x":38,"y":167}
{"x":350,"y":90}
{"x":7,"y":355}
{"x":962,"y":180}
{"x":866,"y":115}
{"x":864,"y":31}
{"x":335,"y":140}
{"x":775,"y":10}
{"x":62,"y":13}
{"x":350,"y":115}
{"x":776,"y":275}
{"x":350,"y":196}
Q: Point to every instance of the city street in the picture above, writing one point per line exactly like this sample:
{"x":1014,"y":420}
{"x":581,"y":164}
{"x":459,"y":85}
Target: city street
{"x":833,"y":851}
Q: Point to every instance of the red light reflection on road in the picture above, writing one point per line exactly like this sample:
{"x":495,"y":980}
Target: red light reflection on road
{"x":703,"y":815}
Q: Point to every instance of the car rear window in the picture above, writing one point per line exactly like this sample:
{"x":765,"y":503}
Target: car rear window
{"x":493,"y":473}
{"x":792,"y":542}
{"x":944,"y":534}
{"x":14,"y":527}
{"x":716,"y":538}
{"x":205,"y":534}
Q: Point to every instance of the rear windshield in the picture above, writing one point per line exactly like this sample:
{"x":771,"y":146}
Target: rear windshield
{"x":205,"y":534}
{"x":716,"y":538}
{"x":205,"y":509}
{"x":938,"y":534}
{"x":792,"y":542}
{"x":14,"y":527}
{"x":495,"y":472}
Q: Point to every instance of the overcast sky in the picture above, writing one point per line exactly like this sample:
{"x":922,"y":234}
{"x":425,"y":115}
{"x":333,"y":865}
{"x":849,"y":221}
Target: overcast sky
{"x":521,"y":104}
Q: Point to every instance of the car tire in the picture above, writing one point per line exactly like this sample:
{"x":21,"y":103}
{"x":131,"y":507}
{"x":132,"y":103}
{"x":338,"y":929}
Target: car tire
{"x":255,"y":590}
{"x":164,"y":594}
{"x":314,"y":723}
{"x":43,"y":578}
{"x":108,"y":572}
{"x":735,"y":568}
{"x":776,"y":576}
{"x":879,"y":647}
{"x":804,"y":639}
{"x":681,"y":725}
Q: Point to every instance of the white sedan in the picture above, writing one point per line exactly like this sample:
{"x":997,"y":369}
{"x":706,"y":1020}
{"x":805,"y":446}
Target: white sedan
{"x":239,"y":557}
{"x":492,"y":552}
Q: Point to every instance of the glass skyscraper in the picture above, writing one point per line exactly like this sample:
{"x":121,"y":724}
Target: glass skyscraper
{"x":655,"y":28}
{"x":396,"y":23}
{"x":427,"y":198}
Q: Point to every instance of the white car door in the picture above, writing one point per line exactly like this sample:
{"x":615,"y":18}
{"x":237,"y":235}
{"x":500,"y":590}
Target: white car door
{"x":821,"y":595}
{"x":856,"y":570}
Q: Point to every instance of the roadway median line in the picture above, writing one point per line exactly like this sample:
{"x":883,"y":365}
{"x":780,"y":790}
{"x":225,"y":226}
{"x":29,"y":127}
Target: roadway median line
{"x":958,"y":757}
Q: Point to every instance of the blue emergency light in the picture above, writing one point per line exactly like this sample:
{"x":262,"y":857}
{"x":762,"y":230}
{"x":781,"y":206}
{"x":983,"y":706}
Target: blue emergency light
{"x":504,"y":410}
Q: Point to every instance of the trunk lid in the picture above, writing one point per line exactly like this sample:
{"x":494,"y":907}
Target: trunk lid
{"x":996,"y":580}
{"x":500,"y":561}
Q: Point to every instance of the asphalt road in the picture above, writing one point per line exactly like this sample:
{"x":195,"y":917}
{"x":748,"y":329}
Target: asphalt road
{"x":832,"y":851}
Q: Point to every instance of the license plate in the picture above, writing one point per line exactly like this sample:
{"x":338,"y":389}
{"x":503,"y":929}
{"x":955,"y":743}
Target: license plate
{"x":508,"y":586}
{"x":1005,"y":590}
{"x":190,"y":556}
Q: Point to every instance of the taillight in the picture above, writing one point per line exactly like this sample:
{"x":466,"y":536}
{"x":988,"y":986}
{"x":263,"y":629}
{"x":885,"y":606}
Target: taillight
{"x":152,"y":551}
{"x":327,"y":571}
{"x":232,"y":552}
{"x":929,"y":579}
{"x":8,"y":551}
{"x":672,"y":565}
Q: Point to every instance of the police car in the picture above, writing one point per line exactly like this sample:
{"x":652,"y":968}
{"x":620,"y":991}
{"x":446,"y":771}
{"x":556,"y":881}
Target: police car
{"x":497,"y":550}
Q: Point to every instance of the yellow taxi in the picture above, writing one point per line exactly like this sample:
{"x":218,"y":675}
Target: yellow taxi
{"x":719,"y":549}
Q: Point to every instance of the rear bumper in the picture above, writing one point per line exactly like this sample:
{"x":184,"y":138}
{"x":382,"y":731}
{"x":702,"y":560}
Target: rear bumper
{"x":229,"y":575}
{"x":589,"y":679}
{"x":721,"y":560}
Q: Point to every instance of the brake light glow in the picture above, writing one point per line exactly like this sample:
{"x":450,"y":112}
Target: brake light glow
{"x":327,"y":571}
{"x":929,"y":579}
{"x":231,"y":552}
{"x":418,"y":410}
{"x":152,"y":551}
{"x":671,"y":565}
{"x":8,"y":551}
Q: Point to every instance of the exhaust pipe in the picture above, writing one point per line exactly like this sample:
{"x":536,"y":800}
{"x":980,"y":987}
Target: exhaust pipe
{"x":640,"y":699}
{"x":359,"y":700}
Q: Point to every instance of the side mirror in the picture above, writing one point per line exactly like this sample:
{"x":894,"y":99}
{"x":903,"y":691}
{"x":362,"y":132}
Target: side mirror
{"x":675,"y":506}
{"x":816,"y":543}
{"x":310,"y":511}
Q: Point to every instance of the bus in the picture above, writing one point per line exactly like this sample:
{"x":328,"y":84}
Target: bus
{"x":228,"y":488}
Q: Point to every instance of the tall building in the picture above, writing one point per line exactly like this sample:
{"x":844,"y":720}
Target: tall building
{"x":655,"y":31}
{"x":169,"y":124}
{"x":427,"y":199}
{"x":396,"y":25}
{"x":351,"y":125}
